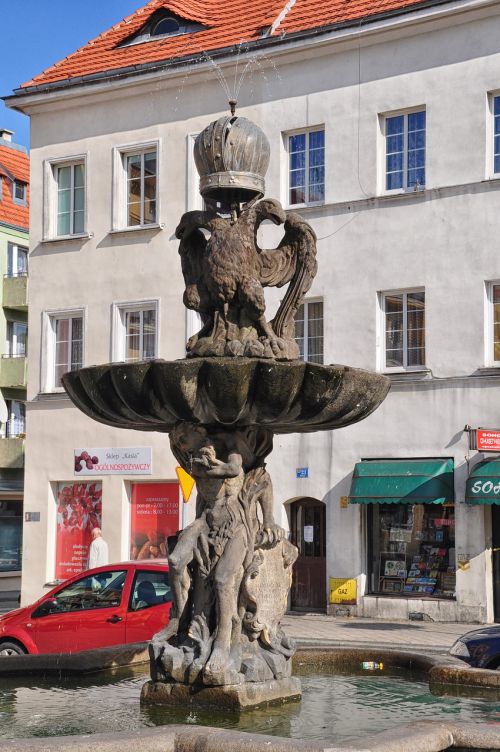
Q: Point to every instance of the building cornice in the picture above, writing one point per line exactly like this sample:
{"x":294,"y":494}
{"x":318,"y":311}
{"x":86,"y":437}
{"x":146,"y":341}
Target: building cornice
{"x":353,"y":32}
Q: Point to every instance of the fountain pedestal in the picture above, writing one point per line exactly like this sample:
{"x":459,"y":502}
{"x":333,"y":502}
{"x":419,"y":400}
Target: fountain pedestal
{"x":242,"y":382}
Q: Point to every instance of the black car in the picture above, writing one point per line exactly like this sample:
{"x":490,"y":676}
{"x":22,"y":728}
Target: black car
{"x":479,"y":648}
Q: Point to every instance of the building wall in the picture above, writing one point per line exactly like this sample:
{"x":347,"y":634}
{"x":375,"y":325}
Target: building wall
{"x":442,"y":239}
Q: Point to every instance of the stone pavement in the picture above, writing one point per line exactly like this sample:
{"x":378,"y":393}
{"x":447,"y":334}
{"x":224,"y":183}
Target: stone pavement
{"x":335,"y":631}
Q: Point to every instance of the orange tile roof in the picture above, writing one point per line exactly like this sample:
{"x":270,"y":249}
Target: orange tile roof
{"x":13,"y":162}
{"x":227,"y":23}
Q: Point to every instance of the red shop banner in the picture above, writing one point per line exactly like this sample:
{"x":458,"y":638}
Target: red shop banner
{"x":488,"y":440}
{"x":155,"y":516}
{"x":79,"y":511}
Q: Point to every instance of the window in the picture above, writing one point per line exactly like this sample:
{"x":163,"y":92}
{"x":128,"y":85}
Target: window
{"x":135,"y":331}
{"x":165,"y":26}
{"x":17,"y":261}
{"x":150,"y":589}
{"x":405,"y":151}
{"x":309,"y":331}
{"x":404,"y":329}
{"x":15,"y":427}
{"x":64,"y":346}
{"x":411,"y":550}
{"x":11,"y":534}
{"x":493,"y":335}
{"x":65,"y":198}
{"x":136,"y":187}
{"x":306,"y":173}
{"x":17,"y":334}
{"x":496,"y":134}
{"x":100,"y":591}
{"x":19,"y":193}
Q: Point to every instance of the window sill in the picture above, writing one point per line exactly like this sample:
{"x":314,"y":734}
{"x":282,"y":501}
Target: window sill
{"x":137,"y":228}
{"x":407,"y":372}
{"x":311,"y":205}
{"x":65,"y":238}
{"x":55,"y":395}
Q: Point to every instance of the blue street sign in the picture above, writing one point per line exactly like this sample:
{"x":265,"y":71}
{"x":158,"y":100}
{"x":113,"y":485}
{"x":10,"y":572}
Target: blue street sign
{"x":302,"y":472}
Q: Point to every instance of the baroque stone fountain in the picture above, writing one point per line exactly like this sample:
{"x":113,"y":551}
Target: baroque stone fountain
{"x":241,"y":383}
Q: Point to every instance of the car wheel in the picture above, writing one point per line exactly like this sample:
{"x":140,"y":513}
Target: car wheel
{"x":11,"y":648}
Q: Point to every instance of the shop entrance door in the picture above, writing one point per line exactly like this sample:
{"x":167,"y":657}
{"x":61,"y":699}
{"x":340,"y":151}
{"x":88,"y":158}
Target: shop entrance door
{"x":309,"y":572}
{"x":496,"y":559}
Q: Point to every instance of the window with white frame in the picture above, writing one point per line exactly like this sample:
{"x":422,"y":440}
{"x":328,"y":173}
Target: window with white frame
{"x":65,"y":198}
{"x":17,"y":260}
{"x":404,"y":329}
{"x":405,"y":151}
{"x":493,"y":336}
{"x":135,"y":331}
{"x":70,"y":181}
{"x":306,"y":167}
{"x":64,"y":346}
{"x":496,"y":134}
{"x":15,"y":426}
{"x":309,"y":331}
{"x":136,"y":188}
{"x":17,"y":335}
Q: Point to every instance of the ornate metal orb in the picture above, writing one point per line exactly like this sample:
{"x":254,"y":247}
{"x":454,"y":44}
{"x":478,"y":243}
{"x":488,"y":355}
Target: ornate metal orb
{"x":232,"y":157}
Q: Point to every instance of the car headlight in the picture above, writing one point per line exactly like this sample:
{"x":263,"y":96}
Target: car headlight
{"x":460,"y":649}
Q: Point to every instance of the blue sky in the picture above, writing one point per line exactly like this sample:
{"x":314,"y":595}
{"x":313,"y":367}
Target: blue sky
{"x":36,"y":34}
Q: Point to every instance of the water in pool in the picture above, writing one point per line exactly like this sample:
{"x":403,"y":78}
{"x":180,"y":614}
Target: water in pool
{"x":334,"y":707}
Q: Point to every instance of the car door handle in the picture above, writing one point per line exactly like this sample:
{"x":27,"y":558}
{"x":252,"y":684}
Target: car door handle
{"x":114,"y":619}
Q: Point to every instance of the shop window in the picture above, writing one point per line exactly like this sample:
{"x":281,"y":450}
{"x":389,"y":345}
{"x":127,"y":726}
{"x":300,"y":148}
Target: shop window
{"x":412,"y":550}
{"x":135,"y":331}
{"x":309,"y":331}
{"x":11,"y":533}
{"x":79,"y":511}
{"x":154,"y":517}
{"x":403,"y":315}
{"x":306,"y":167}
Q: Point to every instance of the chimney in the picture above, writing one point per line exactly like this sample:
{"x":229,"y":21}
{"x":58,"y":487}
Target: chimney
{"x":5,"y":134}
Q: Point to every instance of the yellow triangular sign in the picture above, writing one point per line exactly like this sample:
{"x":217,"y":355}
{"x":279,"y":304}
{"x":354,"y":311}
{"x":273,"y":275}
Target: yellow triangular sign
{"x":186,"y":483}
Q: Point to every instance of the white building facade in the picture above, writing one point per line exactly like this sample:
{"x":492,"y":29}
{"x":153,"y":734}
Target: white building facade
{"x":383,"y":135}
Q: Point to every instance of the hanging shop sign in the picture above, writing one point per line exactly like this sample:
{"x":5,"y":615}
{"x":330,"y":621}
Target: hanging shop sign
{"x":343,"y":590}
{"x":154,"y":517}
{"x":79,"y":511}
{"x":485,"y":439}
{"x":113,"y":461}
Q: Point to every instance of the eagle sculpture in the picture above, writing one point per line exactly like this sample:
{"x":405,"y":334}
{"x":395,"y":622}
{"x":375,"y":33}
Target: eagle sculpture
{"x":225,"y":274}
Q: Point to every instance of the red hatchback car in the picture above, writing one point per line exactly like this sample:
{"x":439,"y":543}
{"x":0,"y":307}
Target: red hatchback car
{"x":111,"y":605}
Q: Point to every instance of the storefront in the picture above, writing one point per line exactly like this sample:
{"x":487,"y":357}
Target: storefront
{"x":410,"y":523}
{"x":483,"y":488}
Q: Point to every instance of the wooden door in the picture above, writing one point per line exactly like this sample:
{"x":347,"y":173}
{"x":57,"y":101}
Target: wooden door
{"x":309,"y":573}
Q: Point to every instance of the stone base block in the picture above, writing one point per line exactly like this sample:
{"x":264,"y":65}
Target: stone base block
{"x":229,"y":697}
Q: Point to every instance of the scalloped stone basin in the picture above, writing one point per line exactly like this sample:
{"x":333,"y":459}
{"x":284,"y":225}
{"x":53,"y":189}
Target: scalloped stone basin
{"x":285,"y":397}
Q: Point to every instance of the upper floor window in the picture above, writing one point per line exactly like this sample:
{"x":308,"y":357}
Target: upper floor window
{"x":65,"y":202}
{"x":496,"y":134}
{"x":136,"y":187}
{"x":17,"y":335}
{"x":162,"y":23}
{"x":405,"y":151}
{"x":309,"y":331}
{"x":17,"y":260}
{"x":493,"y":338}
{"x":404,"y":329}
{"x":19,"y":192}
{"x":135,"y":331}
{"x":63,"y":351}
{"x":306,"y":172}
{"x":15,"y":426}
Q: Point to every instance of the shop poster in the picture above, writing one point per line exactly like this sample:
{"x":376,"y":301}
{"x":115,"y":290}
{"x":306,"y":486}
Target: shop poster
{"x":155,"y":516}
{"x":79,"y":511}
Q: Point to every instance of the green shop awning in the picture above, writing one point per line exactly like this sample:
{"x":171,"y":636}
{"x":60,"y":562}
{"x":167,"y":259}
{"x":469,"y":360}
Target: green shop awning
{"x":483,"y":483}
{"x":402,"y":482}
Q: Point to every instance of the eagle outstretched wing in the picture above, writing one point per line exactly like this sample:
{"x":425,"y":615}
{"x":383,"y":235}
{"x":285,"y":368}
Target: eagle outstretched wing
{"x":294,"y":261}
